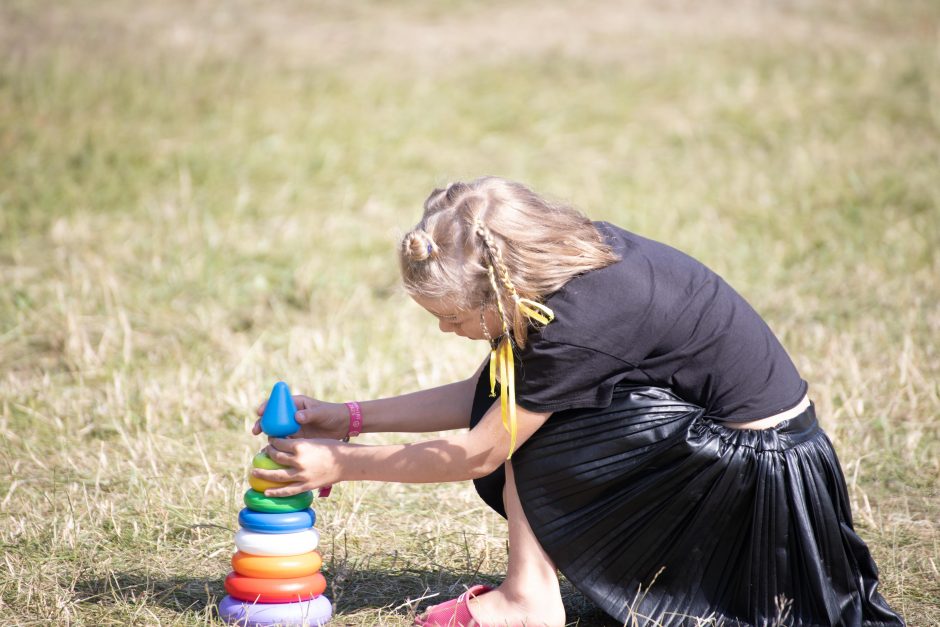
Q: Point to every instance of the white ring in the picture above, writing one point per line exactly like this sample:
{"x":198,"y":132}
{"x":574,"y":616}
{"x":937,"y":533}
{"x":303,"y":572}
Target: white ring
{"x":277,"y":543}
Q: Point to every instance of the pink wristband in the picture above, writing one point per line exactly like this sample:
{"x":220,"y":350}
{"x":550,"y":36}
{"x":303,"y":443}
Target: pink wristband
{"x":355,"y":419}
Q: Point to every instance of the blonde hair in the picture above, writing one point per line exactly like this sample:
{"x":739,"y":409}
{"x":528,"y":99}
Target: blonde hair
{"x":496,"y":242}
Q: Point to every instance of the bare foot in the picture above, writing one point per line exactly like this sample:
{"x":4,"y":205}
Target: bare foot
{"x":505,"y":607}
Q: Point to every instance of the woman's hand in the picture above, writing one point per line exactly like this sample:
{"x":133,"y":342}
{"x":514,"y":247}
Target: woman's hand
{"x":317,"y":419}
{"x":310,"y":464}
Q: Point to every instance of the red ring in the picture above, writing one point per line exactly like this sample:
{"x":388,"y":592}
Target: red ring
{"x":257,"y":590}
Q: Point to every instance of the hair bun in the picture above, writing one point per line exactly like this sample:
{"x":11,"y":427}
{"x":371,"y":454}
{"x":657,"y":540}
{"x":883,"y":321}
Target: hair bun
{"x":419,"y":246}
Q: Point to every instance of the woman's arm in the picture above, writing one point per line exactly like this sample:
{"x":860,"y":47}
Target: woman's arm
{"x":467,"y":455}
{"x":436,"y":409}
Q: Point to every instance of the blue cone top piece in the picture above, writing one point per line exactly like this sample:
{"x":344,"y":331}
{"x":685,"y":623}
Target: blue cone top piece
{"x":289,"y":522}
{"x":278,"y":419}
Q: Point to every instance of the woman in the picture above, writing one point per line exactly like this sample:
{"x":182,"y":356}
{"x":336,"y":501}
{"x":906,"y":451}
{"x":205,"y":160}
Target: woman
{"x":652,"y":441}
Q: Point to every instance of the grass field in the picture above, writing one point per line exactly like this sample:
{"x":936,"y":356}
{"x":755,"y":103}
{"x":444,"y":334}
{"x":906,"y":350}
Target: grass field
{"x":200,"y":198}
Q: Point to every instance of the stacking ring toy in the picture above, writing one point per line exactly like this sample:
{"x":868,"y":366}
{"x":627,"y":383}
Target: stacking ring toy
{"x":276,"y":523}
{"x":260,"y":485}
{"x":275,"y":590}
{"x":277,"y":504}
{"x":261,"y":460}
{"x":277,"y":566}
{"x":294,"y":543}
{"x":314,"y":613}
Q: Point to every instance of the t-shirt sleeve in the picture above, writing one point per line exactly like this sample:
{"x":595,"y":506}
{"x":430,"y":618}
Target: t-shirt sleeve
{"x":554,"y":376}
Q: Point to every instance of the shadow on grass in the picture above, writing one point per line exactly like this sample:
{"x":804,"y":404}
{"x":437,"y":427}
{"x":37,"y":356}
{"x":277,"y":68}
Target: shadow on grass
{"x":400,"y":592}
{"x":183,"y":594}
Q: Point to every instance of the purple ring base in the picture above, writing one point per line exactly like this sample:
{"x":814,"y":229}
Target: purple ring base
{"x":312,"y":613}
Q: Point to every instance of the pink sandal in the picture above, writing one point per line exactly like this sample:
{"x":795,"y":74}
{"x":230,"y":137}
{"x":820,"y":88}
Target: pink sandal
{"x":453,"y":613}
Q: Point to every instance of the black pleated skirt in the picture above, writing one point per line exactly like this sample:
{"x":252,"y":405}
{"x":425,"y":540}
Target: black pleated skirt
{"x":662,"y":516}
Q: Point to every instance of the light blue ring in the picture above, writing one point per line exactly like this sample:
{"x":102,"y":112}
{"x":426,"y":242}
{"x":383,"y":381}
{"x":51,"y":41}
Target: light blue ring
{"x":287,"y":522}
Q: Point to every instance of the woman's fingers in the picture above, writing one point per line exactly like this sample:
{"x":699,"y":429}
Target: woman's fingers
{"x":280,"y":476}
{"x":309,"y":416}
{"x":306,"y":409}
{"x":288,"y":490}
{"x":307,"y":465}
{"x":256,"y":429}
{"x":282,"y":458}
{"x":300,"y":401}
{"x":288,"y":445}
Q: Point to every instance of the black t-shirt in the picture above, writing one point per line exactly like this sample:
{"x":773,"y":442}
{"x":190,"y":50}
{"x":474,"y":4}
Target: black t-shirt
{"x":656,"y":317}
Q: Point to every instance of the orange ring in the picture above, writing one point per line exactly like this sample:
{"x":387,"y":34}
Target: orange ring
{"x":276,"y":566}
{"x":256,"y":590}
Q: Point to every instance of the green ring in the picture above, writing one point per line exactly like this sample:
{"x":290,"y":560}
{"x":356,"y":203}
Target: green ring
{"x":261,"y":460}
{"x":258,"y":502}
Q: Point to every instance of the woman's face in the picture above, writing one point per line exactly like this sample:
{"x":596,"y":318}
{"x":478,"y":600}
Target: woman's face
{"x":465,"y":323}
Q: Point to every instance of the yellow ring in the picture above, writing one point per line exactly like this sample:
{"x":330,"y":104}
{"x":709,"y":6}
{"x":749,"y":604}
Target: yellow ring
{"x":259,"y":484}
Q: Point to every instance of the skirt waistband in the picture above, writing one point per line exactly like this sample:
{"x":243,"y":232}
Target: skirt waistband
{"x":782,"y":436}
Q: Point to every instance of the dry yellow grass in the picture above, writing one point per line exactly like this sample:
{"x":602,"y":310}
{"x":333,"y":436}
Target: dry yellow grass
{"x":198,"y":199}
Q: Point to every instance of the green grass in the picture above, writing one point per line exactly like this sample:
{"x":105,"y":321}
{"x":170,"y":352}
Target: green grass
{"x":197,"y":199}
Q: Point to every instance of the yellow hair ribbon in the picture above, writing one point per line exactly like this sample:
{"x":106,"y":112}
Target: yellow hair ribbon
{"x":504,"y":385}
{"x":507,"y":394}
{"x":511,"y":388}
{"x":534,"y":310}
{"x":502,"y":357}
{"x":493,"y":360}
